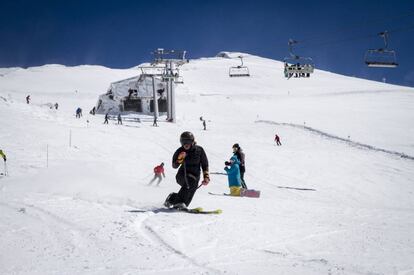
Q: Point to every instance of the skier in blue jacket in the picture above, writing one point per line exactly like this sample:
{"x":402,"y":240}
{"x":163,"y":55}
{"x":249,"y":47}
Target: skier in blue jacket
{"x":233,"y":173}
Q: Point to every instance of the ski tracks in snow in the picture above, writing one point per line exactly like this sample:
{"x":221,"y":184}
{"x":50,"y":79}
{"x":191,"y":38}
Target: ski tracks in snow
{"x":151,"y":233}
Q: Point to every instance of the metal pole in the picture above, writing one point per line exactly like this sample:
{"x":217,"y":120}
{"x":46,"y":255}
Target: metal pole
{"x":173,"y":119}
{"x":154,"y":92}
{"x":167,"y":72}
{"x":172,"y":101}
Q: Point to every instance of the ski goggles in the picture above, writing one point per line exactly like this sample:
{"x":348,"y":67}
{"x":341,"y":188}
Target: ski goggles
{"x":186,"y":141}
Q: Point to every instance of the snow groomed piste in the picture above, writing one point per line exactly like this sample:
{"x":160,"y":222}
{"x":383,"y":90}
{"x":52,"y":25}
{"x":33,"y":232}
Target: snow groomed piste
{"x":326,"y":206}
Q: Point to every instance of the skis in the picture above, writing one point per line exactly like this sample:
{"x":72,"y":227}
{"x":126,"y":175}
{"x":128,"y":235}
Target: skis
{"x":197,"y":210}
{"x":221,"y":194}
{"x":249,"y":193}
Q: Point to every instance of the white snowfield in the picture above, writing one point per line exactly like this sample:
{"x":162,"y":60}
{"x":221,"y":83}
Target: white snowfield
{"x":336,"y":198}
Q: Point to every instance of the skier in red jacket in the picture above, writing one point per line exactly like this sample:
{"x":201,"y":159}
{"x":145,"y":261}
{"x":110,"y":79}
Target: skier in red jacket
{"x":158,"y":173}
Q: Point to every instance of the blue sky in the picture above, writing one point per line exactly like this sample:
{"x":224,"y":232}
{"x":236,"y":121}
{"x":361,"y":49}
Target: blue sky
{"x":121,"y":34}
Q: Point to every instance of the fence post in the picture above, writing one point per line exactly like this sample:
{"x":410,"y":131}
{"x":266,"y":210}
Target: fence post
{"x":47,"y":155}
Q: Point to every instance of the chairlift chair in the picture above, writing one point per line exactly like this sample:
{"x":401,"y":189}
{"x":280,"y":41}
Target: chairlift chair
{"x":383,"y":57}
{"x":239,"y":71}
{"x":178,"y":78}
{"x":297,"y":66}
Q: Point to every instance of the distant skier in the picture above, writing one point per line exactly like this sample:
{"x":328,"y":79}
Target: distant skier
{"x":155,"y":124}
{"x":28,"y":99}
{"x":56,"y":105}
{"x":78,"y":112}
{"x":106,"y":118}
{"x":277,"y":140}
{"x":119,"y":119}
{"x":237,"y":150}
{"x":3,"y":155}
{"x":233,"y":173}
{"x":188,"y":158}
{"x":158,"y":174}
{"x":204,"y":125}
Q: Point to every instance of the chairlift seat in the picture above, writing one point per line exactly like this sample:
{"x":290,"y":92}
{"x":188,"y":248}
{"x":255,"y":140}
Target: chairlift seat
{"x":239,"y":71}
{"x":381,"y":64}
{"x":303,"y":68}
{"x":298,"y":70}
{"x":383,"y":57}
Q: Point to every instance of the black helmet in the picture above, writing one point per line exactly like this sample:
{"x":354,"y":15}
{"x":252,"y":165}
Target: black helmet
{"x":236,"y":145}
{"x":186,"y":138}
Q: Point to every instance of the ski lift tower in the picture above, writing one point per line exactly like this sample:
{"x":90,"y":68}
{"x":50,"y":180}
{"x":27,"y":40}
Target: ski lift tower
{"x":153,"y":72}
{"x":171,"y":59}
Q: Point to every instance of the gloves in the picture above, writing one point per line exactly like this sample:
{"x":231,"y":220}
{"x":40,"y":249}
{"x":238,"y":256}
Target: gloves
{"x":227,"y":163}
{"x":206,"y":179}
{"x":181,"y":157}
{"x":4,"y":158}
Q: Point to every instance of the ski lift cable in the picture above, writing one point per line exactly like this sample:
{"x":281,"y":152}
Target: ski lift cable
{"x":359,"y":25}
{"x":361,"y":37}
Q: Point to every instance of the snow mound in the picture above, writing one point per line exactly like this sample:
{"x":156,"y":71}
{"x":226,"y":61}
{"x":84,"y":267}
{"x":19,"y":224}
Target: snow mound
{"x":230,"y":55}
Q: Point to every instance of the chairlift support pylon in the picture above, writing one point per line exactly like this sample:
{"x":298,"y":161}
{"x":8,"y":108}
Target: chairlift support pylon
{"x":171,"y":59}
{"x":239,"y":71}
{"x":297,"y":66}
{"x":383,"y":57}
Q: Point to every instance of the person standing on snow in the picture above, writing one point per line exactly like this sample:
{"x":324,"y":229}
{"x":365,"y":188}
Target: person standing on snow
{"x":106,"y":118}
{"x":233,"y":173}
{"x":78,"y":112}
{"x":28,"y":99}
{"x":238,"y":152}
{"x":277,"y":139}
{"x":56,"y":105}
{"x":3,"y":155}
{"x":119,"y":119}
{"x":189,"y":158}
{"x":204,"y":125}
{"x":158,"y":174}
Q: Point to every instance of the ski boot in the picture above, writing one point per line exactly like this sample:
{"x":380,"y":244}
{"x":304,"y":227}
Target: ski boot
{"x":180,"y":206}
{"x":167,"y":202}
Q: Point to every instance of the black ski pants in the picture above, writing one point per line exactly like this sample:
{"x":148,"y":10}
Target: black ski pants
{"x":187,"y":190}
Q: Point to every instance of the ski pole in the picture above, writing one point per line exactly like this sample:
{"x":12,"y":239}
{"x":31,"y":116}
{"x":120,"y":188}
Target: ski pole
{"x":185,"y":175}
{"x":6,"y":173}
{"x":200,"y":185}
{"x":218,"y":173}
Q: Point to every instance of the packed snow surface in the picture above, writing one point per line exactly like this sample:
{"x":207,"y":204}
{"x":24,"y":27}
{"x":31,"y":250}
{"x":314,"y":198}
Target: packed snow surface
{"x":336,"y":198}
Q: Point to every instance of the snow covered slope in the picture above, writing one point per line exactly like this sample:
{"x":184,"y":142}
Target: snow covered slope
{"x":337,"y":197}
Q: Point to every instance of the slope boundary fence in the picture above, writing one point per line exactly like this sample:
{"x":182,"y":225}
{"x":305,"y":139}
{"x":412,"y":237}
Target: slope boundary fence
{"x":347,"y":141}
